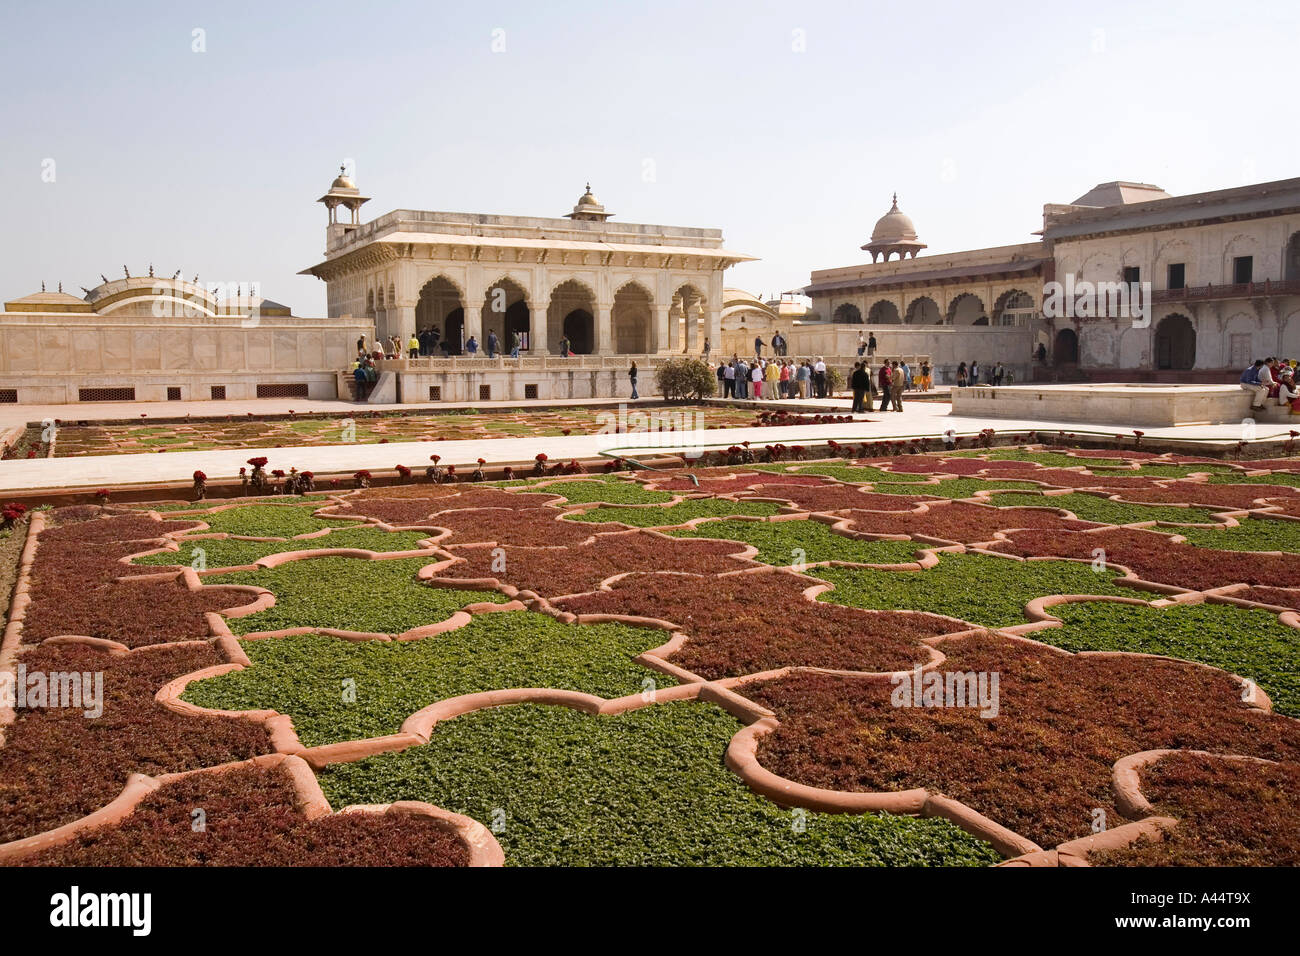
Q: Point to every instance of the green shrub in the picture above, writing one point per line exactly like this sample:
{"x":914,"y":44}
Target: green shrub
{"x":685,"y":379}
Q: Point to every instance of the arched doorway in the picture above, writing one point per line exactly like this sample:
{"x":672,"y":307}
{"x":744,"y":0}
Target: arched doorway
{"x":1065,"y":349}
{"x":967,"y":309}
{"x":1014,"y":307}
{"x":1292,"y":273}
{"x":923,"y":311}
{"x":579,"y":329}
{"x":1175,"y":343}
{"x":505,"y":311}
{"x":571,"y":315}
{"x":883,"y":312}
{"x":630,"y":320}
{"x":440,"y":307}
{"x":848,"y":314}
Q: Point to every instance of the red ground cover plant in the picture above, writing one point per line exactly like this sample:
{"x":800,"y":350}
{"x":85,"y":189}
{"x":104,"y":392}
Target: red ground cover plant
{"x":523,"y":527}
{"x":57,"y":765}
{"x":1064,"y":478}
{"x":960,"y":521}
{"x":414,"y":510}
{"x":1153,"y":557}
{"x":1280,"y":597}
{"x":250,"y":820}
{"x":1229,"y":812}
{"x":747,"y":623}
{"x":74,"y":590}
{"x":1044,"y":763}
{"x":835,"y":497}
{"x":1225,"y":497}
{"x":929,"y":465}
{"x":1286,"y":506}
{"x":555,"y":571}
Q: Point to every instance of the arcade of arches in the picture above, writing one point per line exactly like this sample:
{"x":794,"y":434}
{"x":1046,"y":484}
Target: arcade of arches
{"x":636,"y":325}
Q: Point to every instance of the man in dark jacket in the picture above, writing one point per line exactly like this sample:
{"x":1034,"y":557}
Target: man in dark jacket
{"x":860,"y":382}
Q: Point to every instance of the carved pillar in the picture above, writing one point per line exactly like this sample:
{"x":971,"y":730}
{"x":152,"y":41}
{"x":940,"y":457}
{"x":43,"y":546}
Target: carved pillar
{"x":537,"y":321}
{"x":663,"y":315}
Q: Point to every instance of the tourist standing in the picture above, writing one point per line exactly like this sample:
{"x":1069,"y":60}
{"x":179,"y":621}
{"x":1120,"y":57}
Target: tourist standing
{"x":359,"y":379}
{"x":756,"y":375}
{"x":413,"y":347}
{"x":516,"y":341}
{"x":801,"y":378}
{"x":926,"y":371}
{"x":896,"y":383}
{"x":758,"y":346}
{"x":871,"y":344}
{"x":974,"y":373}
{"x":884,"y":378}
{"x":860,"y":382}
{"x":998,"y":374}
{"x":862,"y":344}
{"x":708,"y":347}
{"x":819,"y":377}
{"x":564,"y":346}
{"x":728,"y":370}
{"x":492,"y":344}
{"x":472,"y":346}
{"x":961,"y":375}
{"x":631,"y":375}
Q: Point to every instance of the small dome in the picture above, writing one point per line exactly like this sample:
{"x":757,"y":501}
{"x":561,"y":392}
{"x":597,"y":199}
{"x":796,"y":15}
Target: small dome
{"x":342,"y":182}
{"x":893,"y":226}
{"x":587,"y":199}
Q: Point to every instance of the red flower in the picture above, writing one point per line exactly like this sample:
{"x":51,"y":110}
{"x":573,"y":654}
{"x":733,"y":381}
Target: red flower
{"x":482,"y":461}
{"x":435,"y":458}
{"x":541,"y":457}
{"x":277,"y":473}
{"x":200,"y":476}
{"x":403,"y":471}
{"x":258,"y":462}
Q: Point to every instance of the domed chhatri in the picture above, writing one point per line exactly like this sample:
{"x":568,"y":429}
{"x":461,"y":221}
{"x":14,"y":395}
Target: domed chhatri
{"x":343,"y":192}
{"x":894,"y":232}
{"x":588,"y":209}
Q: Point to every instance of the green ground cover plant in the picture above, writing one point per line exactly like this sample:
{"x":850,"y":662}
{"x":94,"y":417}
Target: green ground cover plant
{"x":1095,"y":508}
{"x":271,"y":521}
{"x":303,"y":676}
{"x":643,"y":788}
{"x":350,"y":594}
{"x":1251,"y":644}
{"x":1251,"y":534}
{"x":988,"y":591}
{"x":679,"y":513}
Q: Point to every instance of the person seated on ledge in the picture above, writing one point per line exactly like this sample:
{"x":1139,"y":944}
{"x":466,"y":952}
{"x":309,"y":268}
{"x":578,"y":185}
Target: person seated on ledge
{"x":1256,"y":384}
{"x":1287,"y":393}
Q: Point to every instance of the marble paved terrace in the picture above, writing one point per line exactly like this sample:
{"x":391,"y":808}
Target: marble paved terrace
{"x":919,"y":418}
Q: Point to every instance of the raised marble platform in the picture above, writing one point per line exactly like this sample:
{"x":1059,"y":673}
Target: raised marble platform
{"x":1127,"y":404}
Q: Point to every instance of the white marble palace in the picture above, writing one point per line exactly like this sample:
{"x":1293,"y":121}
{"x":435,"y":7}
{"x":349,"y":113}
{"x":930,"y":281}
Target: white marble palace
{"x":609,"y":288}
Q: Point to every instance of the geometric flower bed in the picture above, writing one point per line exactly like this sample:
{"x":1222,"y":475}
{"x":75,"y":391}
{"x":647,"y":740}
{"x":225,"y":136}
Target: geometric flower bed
{"x":644,"y":670}
{"x":366,"y":428}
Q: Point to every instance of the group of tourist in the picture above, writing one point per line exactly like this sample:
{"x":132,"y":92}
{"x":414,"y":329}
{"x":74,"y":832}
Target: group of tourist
{"x":782,"y":377}
{"x":970,"y":374}
{"x":1272,"y":379}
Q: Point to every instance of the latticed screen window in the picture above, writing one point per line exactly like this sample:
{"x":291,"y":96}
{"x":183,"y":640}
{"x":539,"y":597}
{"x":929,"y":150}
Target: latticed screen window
{"x":435,"y":393}
{"x":106,"y":395}
{"x":530,"y":391}
{"x":485,"y":393}
{"x":173,"y":393}
{"x":218,"y":393}
{"x":282,"y":390}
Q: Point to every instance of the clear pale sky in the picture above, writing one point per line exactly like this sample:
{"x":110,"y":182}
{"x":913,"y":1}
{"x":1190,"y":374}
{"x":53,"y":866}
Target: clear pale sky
{"x":975,"y":113}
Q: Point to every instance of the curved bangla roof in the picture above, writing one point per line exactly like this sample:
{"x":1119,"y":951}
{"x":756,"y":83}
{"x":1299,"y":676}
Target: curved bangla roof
{"x":139,"y":295}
